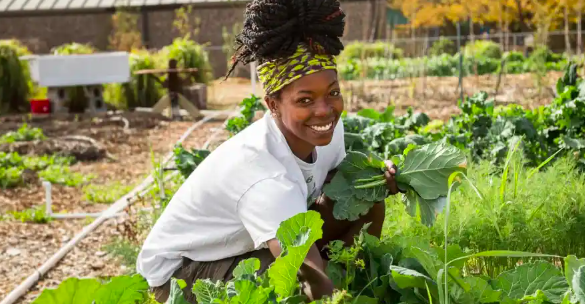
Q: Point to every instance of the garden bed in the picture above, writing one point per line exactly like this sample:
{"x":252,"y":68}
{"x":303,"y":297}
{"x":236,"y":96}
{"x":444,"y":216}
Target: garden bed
{"x":128,"y":145}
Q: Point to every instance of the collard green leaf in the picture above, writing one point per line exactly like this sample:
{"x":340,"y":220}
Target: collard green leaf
{"x":247,"y":292}
{"x":336,"y":273}
{"x":296,"y":236}
{"x":426,"y":209}
{"x":187,"y":161}
{"x":347,"y":206}
{"x":578,"y":283}
{"x":479,"y":291}
{"x":427,"y":169}
{"x":207,"y":292}
{"x":298,"y":299}
{"x":247,"y":267}
{"x":572,"y":264}
{"x":398,"y":145}
{"x":408,"y":278}
{"x":527,"y":279}
{"x":356,"y":162}
{"x":123,"y":290}
{"x":70,"y":291}
{"x":176,"y":295}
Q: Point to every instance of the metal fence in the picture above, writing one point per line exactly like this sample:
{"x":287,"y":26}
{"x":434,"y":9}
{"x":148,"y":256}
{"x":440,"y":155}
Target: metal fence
{"x":432,"y":83}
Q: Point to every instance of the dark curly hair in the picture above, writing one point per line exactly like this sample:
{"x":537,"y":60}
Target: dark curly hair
{"x":274,"y":28}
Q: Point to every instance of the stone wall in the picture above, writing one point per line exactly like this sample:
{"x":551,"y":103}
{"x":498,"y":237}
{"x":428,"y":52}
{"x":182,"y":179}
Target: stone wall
{"x":43,"y":32}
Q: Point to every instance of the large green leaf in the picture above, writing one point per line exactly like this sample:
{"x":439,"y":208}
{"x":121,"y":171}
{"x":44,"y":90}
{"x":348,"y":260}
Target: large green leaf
{"x":572,"y":264}
{"x":296,"y":236}
{"x":527,"y":279}
{"x":347,"y":206}
{"x":408,"y":278}
{"x":246,"y":267}
{"x":123,"y":290}
{"x":479,"y":291}
{"x":427,"y":169}
{"x":578,"y":283}
{"x":247,"y":292}
{"x":206,"y":291}
{"x":70,"y":291}
{"x":176,"y":295}
{"x":427,"y":210}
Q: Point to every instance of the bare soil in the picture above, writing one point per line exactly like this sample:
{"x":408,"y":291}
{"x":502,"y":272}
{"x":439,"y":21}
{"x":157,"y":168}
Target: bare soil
{"x":26,"y":246}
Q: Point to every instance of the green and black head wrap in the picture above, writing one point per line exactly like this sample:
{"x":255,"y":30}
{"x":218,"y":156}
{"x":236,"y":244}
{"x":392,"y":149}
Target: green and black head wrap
{"x":290,"y":39}
{"x":274,"y":75}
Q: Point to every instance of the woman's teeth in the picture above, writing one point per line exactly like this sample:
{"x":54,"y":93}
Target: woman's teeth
{"x":322,"y":128}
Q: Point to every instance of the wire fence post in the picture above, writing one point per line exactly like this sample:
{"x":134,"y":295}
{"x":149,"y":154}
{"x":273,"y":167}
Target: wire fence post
{"x":460,"y":60}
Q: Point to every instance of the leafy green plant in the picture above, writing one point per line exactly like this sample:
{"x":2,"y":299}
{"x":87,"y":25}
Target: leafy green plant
{"x":35,"y":215}
{"x":142,"y":90}
{"x":422,"y":175}
{"x":105,"y":194}
{"x":24,"y":133}
{"x":117,"y":290}
{"x":483,"y":48}
{"x":248,"y":108}
{"x":189,"y":54}
{"x":12,"y":166}
{"x":63,"y":176}
{"x":278,"y":284}
{"x":443,"y":46}
{"x":14,"y":79}
{"x":186,"y":161}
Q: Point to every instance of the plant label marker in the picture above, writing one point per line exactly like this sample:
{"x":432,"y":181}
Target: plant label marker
{"x":48,"y":198}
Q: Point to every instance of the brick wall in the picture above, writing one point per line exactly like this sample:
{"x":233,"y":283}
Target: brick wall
{"x":41,"y":33}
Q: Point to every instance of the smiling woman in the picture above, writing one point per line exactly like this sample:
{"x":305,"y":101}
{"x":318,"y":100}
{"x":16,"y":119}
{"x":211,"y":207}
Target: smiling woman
{"x":230,"y":207}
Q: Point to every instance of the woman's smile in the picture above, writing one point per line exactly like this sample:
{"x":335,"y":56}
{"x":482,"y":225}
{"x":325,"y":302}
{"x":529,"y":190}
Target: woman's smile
{"x":323,"y":128}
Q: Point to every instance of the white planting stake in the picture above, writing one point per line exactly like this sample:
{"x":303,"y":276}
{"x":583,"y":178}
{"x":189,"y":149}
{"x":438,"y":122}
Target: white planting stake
{"x":48,"y":199}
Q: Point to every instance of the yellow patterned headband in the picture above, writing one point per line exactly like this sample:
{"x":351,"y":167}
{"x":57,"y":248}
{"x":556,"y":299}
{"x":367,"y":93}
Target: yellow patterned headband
{"x":274,"y":75}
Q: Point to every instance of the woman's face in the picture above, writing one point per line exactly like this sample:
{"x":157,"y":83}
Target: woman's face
{"x":308,"y":111}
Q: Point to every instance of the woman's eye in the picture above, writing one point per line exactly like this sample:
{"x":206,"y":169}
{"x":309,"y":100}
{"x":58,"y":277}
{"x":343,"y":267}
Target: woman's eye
{"x":335,"y":93}
{"x":304,"y":100}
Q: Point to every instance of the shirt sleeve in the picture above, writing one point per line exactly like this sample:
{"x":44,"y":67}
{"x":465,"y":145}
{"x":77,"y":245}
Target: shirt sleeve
{"x":268,"y":203}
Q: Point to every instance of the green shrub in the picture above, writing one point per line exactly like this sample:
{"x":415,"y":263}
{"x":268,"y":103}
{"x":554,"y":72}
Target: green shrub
{"x":443,"y":46}
{"x":15,"y":85}
{"x":189,"y":54}
{"x":355,"y":50}
{"x":73,"y":48}
{"x":514,"y":56}
{"x":483,"y":48}
{"x":142,"y":90}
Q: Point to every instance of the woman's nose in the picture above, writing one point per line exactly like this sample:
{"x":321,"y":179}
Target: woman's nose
{"x":322,"y":108}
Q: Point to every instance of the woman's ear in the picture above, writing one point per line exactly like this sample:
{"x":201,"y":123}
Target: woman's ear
{"x":272,"y":104}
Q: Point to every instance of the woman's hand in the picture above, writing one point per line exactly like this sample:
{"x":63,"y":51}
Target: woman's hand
{"x":390,"y":173}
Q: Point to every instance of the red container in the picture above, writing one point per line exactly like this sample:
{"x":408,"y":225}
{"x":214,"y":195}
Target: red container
{"x":40,"y":106}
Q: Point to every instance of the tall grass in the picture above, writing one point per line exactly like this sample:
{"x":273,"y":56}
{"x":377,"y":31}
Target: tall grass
{"x":543,"y":213}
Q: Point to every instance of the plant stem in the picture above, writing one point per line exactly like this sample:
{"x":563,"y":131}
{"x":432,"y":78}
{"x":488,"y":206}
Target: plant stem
{"x":371,"y":179}
{"x":371,"y":185}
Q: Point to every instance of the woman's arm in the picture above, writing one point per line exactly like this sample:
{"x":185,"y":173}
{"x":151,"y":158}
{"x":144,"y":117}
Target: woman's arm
{"x":312,"y":272}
